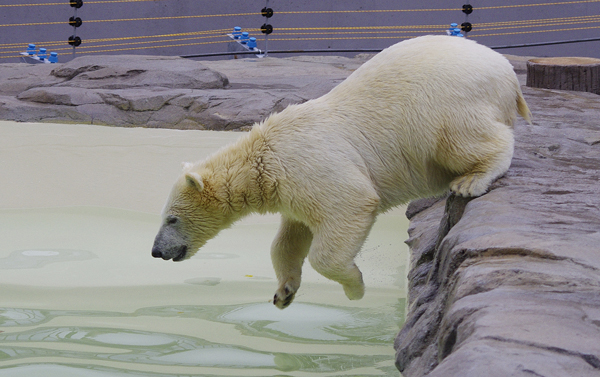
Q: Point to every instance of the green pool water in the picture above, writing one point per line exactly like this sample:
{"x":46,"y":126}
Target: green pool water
{"x":82,"y":296}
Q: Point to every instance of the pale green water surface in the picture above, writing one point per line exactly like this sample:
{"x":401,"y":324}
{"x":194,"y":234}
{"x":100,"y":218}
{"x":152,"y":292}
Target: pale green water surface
{"x":81,"y":295}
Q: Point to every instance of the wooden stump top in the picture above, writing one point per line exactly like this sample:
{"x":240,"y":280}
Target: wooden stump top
{"x":565,"y":61}
{"x":568,"y":73}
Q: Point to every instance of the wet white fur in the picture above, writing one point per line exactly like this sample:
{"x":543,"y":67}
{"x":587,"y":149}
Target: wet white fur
{"x":423,"y":116}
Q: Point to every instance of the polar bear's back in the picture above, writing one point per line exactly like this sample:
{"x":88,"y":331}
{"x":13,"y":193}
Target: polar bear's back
{"x":443,"y":73}
{"x":412,"y":118}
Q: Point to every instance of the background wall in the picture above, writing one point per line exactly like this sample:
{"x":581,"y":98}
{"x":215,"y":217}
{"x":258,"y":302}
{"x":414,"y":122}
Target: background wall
{"x":179,"y":27}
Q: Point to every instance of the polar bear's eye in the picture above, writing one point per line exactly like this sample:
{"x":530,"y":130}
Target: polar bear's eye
{"x":172,"y":219}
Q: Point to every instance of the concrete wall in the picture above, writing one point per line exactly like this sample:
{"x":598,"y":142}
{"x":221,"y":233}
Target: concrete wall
{"x":102,"y":21}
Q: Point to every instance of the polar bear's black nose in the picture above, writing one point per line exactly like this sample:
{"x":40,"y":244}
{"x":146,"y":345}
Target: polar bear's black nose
{"x":156,"y":253}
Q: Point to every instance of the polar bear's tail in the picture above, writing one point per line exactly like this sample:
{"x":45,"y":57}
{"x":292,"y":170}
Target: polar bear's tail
{"x":522,"y":107}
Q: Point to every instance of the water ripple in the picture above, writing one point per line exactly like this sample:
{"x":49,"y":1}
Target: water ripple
{"x":304,"y":323}
{"x":22,"y":259}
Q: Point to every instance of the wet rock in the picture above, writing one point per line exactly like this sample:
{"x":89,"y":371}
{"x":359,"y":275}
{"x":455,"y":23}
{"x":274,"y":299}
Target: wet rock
{"x":508,"y":284}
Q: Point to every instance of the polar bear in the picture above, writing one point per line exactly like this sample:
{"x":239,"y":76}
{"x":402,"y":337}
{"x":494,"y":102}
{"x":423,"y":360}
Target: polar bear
{"x":423,"y":116}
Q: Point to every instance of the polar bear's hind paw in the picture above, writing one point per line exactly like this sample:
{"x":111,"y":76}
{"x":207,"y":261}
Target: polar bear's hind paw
{"x":470,"y":185}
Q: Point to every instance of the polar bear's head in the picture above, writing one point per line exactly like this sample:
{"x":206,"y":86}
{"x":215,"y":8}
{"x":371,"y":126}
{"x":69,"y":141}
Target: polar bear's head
{"x":192,"y":215}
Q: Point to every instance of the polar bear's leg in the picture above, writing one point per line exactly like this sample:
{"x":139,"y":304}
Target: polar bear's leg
{"x":288,"y":251}
{"x":493,"y":160}
{"x":334,"y":247}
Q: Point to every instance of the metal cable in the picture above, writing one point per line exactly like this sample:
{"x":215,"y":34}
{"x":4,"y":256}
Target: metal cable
{"x":536,"y":5}
{"x":138,"y":19}
{"x":87,"y":2}
{"x":541,"y":23}
{"x":537,"y":31}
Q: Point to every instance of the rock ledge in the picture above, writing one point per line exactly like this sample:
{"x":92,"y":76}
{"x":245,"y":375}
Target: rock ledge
{"x":165,"y":92}
{"x":508,"y":284}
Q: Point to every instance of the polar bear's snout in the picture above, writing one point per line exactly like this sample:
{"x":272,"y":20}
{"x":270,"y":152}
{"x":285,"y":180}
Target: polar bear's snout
{"x":176,"y":254}
{"x":169,"y":244}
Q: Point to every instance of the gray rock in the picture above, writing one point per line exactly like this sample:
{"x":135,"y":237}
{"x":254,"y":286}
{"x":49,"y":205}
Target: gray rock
{"x":180,"y":93}
{"x":22,"y":111}
{"x":18,"y":77}
{"x":139,"y":99}
{"x":60,"y":96}
{"x":508,"y":284}
{"x":108,"y":115}
{"x":133,"y":71}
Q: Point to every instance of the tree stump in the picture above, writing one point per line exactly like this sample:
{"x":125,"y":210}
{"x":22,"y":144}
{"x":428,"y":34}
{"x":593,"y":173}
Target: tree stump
{"x":579,"y":74}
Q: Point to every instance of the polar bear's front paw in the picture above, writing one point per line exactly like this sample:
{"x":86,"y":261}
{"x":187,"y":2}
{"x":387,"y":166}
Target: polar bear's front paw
{"x":284,"y":296}
{"x":355,"y":291}
{"x":470,"y":185}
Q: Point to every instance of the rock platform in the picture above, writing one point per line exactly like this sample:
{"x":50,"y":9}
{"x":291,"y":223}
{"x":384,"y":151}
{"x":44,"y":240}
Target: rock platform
{"x":165,"y":92}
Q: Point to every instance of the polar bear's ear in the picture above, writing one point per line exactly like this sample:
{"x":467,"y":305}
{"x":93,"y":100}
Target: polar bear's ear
{"x":194,"y":180}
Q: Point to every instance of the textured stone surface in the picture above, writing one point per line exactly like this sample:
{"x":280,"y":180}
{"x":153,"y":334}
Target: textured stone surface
{"x":165,"y":92}
{"x":508,"y":284}
{"x":132,"y":71}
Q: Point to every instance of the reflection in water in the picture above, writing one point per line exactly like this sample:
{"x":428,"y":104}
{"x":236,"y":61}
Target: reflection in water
{"x":251,"y":339}
{"x":95,"y":346}
{"x":39,"y":258}
{"x":211,"y":282}
{"x":215,"y":256}
{"x":302,"y":321}
{"x":118,"y":312}
{"x":61,"y":370}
